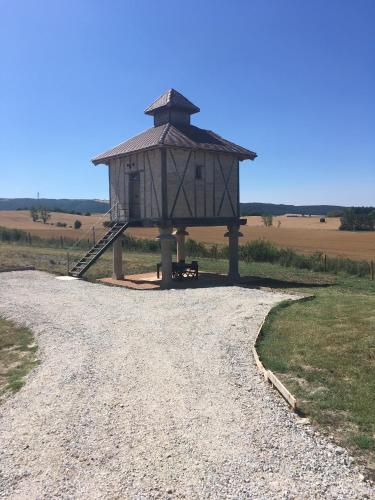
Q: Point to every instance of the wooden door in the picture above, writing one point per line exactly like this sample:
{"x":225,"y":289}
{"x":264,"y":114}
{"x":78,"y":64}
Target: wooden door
{"x":134,"y":196}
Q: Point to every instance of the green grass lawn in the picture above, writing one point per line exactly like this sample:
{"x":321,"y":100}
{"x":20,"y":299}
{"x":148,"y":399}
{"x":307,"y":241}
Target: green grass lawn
{"x":323,"y":350}
{"x":17,"y":356}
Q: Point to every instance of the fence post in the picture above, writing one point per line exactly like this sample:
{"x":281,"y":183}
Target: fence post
{"x":61,"y":241}
{"x":372,"y":270}
{"x":68,"y":261}
{"x":325,"y":263}
{"x":93,"y":235}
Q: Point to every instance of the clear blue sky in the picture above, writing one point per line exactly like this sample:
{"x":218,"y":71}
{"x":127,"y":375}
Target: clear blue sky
{"x":293,"y":80}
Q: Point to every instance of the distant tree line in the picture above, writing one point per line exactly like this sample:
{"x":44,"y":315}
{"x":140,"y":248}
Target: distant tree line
{"x":72,"y":212}
{"x":358,"y":219}
{"x":55,"y":204}
{"x":58,"y":210}
{"x":274,"y":209}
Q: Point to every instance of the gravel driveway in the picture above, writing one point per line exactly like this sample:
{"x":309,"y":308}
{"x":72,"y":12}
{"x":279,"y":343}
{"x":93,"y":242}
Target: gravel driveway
{"x":148,"y":394}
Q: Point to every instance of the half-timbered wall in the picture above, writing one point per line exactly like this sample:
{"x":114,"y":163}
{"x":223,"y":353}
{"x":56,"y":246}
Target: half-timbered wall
{"x":148,"y":165}
{"x":215,"y":194}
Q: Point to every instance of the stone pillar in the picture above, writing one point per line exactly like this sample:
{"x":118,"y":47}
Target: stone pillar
{"x":118,"y":272}
{"x":180,"y":234}
{"x":166,"y":240}
{"x":233,"y":234}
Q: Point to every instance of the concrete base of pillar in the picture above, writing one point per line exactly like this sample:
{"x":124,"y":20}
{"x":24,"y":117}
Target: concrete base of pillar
{"x":118,"y":271}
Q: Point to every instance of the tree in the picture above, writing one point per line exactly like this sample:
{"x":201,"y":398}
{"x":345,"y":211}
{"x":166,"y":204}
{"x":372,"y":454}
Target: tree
{"x":77,"y":224}
{"x":44,"y":215}
{"x":34,"y":213}
{"x":358,"y":219}
{"x":267,"y":219}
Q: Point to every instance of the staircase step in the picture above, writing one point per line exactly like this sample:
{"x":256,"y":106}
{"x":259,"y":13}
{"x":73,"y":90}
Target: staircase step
{"x":90,"y":257}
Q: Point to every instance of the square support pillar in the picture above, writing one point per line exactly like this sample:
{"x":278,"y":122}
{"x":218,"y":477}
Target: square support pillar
{"x":166,"y":240}
{"x":233,"y":234}
{"x":118,"y":272}
{"x":180,"y":234}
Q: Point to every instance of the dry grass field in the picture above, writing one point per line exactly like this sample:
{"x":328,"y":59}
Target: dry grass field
{"x":303,"y":234}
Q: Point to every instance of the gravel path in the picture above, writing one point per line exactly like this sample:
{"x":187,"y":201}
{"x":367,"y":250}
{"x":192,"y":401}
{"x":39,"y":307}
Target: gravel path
{"x":153,"y":394}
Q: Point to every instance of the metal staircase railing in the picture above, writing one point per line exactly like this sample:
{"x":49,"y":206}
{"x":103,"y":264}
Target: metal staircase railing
{"x":98,"y":249}
{"x":116,"y":209}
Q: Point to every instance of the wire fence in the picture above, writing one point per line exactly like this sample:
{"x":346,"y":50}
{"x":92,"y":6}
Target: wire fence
{"x":254,"y":251}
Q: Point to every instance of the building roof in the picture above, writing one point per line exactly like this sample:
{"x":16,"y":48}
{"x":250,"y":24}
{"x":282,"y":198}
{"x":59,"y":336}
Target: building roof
{"x":180,"y":136}
{"x":172,"y":99}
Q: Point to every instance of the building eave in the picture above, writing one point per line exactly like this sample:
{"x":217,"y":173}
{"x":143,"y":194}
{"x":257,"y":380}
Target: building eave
{"x":104,"y":161}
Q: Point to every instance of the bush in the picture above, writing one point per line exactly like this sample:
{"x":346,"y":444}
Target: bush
{"x":267,"y":220}
{"x":61,"y":224}
{"x":13,"y":235}
{"x":265,"y":251}
{"x":77,"y":224}
{"x":45,"y":215}
{"x":214,"y":251}
{"x":140,"y":244}
{"x":196,"y":248}
{"x":34,"y":214}
{"x":258,"y":251}
{"x":255,"y":251}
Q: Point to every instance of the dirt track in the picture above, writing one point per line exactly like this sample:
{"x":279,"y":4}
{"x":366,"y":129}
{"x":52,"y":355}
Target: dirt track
{"x":154,"y":395}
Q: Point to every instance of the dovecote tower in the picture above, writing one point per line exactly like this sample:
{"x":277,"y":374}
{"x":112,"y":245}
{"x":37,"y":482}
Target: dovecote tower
{"x":175,"y":175}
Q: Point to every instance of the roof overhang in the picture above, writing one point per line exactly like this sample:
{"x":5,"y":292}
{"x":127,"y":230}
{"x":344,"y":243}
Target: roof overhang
{"x":104,"y":161}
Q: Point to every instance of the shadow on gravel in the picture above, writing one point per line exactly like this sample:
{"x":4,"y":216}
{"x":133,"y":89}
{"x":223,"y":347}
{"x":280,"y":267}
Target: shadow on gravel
{"x":211,"y":280}
{"x":207,"y":280}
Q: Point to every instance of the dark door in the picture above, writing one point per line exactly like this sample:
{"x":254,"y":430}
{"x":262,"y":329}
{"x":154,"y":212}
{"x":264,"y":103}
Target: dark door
{"x":134,"y":199}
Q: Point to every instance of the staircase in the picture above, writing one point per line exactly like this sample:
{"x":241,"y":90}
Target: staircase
{"x":96,"y":251}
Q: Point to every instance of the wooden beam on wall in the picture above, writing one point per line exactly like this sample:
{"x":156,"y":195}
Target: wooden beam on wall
{"x":164,"y":184}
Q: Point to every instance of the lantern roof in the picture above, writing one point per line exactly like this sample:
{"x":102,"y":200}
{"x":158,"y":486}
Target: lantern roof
{"x":172,"y":99}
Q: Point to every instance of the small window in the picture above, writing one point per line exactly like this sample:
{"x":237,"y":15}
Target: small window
{"x":199,"y":172}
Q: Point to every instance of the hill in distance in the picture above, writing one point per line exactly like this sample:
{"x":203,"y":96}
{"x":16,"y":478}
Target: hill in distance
{"x":273,"y":209}
{"x":68,"y":205}
{"x":102,"y":206}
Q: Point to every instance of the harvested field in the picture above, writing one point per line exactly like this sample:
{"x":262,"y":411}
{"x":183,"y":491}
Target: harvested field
{"x":20,"y":219}
{"x":358,"y":246}
{"x":303,"y":234}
